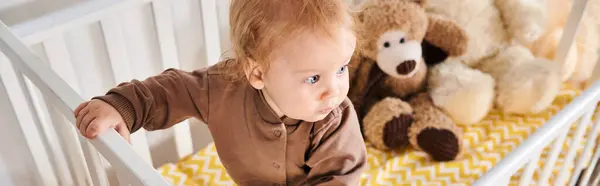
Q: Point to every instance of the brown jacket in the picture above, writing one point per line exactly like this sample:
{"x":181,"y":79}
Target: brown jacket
{"x":255,"y":146}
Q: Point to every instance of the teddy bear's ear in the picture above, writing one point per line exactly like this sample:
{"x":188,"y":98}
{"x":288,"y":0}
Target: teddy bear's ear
{"x":432,"y":54}
{"x":445,"y":35}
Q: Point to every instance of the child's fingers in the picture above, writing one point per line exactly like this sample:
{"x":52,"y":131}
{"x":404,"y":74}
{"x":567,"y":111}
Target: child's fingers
{"x":94,"y":128}
{"x":82,"y":113}
{"x":85,"y":123}
{"x":80,"y":107}
{"x":124,"y":132}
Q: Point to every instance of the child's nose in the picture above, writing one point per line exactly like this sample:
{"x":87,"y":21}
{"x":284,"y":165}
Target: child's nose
{"x":330,"y":93}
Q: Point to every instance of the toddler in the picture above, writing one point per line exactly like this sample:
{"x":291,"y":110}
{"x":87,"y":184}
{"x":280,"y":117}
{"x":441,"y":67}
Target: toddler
{"x":277,"y":111}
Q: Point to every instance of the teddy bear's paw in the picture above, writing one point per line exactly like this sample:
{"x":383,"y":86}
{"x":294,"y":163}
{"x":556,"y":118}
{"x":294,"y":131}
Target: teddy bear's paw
{"x":395,"y":132}
{"x":386,"y":124}
{"x":529,"y":87}
{"x":464,"y":93}
{"x":441,"y":144}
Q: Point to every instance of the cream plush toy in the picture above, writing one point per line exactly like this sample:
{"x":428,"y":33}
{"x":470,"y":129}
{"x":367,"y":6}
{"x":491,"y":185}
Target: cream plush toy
{"x":497,"y":70}
{"x":582,"y":57}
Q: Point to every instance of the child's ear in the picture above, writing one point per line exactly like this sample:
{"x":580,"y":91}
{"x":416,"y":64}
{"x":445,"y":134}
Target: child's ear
{"x":254,"y":74}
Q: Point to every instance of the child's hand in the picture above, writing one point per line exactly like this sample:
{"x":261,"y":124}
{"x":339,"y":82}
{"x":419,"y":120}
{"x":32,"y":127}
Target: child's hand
{"x":95,"y":116}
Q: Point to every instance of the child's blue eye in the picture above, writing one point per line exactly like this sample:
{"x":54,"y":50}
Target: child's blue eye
{"x":312,"y":79}
{"x":342,"y":70}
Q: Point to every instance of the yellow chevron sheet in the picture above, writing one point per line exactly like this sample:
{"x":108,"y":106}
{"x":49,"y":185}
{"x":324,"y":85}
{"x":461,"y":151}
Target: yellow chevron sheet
{"x":485,"y":144}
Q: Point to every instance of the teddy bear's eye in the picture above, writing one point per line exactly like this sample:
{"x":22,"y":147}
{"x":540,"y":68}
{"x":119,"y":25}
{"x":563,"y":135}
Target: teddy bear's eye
{"x":402,"y":40}
{"x":386,"y":44}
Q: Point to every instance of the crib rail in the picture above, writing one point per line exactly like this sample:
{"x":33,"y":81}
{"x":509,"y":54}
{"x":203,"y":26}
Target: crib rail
{"x":50,"y":89}
{"x":63,"y":97}
{"x":554,"y":131}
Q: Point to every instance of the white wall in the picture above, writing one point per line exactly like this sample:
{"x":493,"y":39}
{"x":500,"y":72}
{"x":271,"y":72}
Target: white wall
{"x":94,"y":75}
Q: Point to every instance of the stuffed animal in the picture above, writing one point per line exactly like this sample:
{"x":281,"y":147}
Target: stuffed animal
{"x":583,"y":54}
{"x":498,"y":69}
{"x":388,"y":77}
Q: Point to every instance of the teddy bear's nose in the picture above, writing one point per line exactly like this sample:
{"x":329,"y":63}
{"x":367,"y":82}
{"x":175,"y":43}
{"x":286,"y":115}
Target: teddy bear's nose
{"x":406,"y":67}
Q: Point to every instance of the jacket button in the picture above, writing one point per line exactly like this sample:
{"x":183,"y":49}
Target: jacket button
{"x":276,"y":165}
{"x":277,"y":133}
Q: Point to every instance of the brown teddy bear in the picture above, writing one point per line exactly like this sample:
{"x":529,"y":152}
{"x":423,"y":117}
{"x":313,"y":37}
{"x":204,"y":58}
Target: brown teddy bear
{"x":389,"y":75}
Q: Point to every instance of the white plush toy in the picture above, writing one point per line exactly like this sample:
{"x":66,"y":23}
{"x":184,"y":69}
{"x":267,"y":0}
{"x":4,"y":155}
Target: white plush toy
{"x":583,"y":54}
{"x":498,"y":69}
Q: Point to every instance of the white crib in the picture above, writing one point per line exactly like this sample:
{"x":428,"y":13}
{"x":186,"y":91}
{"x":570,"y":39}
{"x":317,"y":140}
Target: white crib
{"x":52,"y":82}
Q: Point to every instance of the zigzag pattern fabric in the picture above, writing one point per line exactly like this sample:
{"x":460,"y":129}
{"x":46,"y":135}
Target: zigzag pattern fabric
{"x":485,"y":144}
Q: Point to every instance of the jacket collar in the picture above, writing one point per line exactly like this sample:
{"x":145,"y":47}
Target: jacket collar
{"x":267,"y":113}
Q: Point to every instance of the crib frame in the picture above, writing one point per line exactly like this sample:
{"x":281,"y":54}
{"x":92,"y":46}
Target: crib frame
{"x":133,"y":162}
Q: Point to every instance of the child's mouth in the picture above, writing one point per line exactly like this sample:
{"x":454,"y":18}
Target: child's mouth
{"x":331,"y":104}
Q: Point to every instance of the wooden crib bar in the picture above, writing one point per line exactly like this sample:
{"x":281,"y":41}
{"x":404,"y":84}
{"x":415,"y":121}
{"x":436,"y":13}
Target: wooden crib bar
{"x":109,"y":143}
{"x":168,"y":51}
{"x":589,"y":147}
{"x":43,"y":170}
{"x":79,"y":163}
{"x":119,"y":62}
{"x":552,"y":132}
{"x":80,"y":158}
{"x":112,"y":146}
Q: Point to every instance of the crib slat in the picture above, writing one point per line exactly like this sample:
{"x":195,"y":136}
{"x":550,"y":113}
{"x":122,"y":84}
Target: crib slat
{"x":575,"y":143}
{"x":77,"y":163}
{"x":168,"y":50}
{"x":46,"y":121}
{"x":504,"y":181}
{"x":588,"y":172}
{"x":119,"y":60}
{"x":527,"y":175}
{"x":12,"y":80}
{"x":552,"y":157}
{"x":41,"y":118}
{"x":127,"y":180}
{"x":210,"y":27}
{"x":589,"y":144}
{"x":113,"y":147}
{"x":570,"y":29}
{"x":59,"y":60}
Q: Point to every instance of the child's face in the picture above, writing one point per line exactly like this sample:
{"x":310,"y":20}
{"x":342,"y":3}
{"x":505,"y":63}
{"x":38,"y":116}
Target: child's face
{"x":308,"y":77}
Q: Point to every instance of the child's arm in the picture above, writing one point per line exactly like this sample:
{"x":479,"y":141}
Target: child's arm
{"x":157,"y":102}
{"x":340,"y":156}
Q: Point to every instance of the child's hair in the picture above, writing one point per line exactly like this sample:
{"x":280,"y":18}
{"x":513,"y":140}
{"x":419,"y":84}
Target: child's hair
{"x":257,"y":27}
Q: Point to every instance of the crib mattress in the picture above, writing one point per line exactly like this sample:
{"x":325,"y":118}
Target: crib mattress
{"x":485,"y":144}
